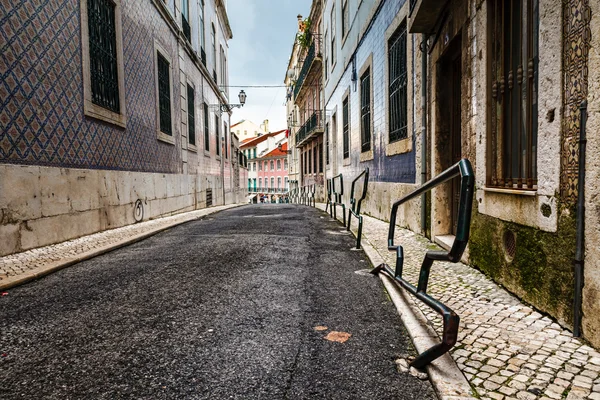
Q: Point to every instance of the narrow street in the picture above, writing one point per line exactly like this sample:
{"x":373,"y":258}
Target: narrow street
{"x":236,"y":305}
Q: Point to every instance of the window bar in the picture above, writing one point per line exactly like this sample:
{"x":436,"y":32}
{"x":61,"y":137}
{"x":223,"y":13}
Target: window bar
{"x":509,"y":119}
{"x":530,"y":72}
{"x":520,"y":125}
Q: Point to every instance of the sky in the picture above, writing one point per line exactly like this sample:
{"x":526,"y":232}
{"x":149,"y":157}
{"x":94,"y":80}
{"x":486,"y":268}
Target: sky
{"x":263,"y":36}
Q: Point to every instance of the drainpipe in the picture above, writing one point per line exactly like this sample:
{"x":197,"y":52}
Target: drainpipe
{"x":424,"y":130}
{"x":580,"y":249}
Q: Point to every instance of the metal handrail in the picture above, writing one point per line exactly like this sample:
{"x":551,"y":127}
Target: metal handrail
{"x":328,"y":201}
{"x":355,"y":205}
{"x":450,"y":318}
{"x":337,"y":198}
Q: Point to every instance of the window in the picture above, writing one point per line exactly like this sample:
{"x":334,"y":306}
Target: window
{"x":309,"y":162}
{"x":326,"y":42}
{"x":266,"y":165}
{"x":278,"y":165}
{"x":327,"y":143}
{"x":315,"y":159}
{"x":254,"y":155}
{"x":226,"y":142}
{"x":164,"y":94}
{"x":272,"y":183}
{"x":365,"y":111}
{"x":332,"y":23}
{"x":249,"y":185}
{"x":206,"y":132}
{"x":218,"y":135}
{"x":272,"y":166}
{"x":213,"y":39}
{"x":345,"y":18}
{"x":260,"y":183}
{"x":223,"y":68}
{"x":279,"y":182}
{"x":398,"y":111}
{"x":185,"y":19}
{"x":514,"y":63}
{"x":102,"y":58}
{"x":191,"y":116}
{"x":321,"y":157}
{"x":103,"y":62}
{"x":201,"y":30}
{"x":304,"y":163}
{"x":266,"y":184}
{"x":285,"y":164}
{"x":286,"y":180}
{"x":253,"y":166}
{"x":345,"y":128}
{"x":260,"y":166}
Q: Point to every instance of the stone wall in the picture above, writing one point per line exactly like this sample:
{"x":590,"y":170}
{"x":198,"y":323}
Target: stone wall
{"x":46,"y":205}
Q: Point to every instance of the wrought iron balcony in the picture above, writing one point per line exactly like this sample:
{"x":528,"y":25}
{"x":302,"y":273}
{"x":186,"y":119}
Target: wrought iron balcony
{"x":187,"y":30}
{"x":311,"y":127}
{"x":313,"y":54}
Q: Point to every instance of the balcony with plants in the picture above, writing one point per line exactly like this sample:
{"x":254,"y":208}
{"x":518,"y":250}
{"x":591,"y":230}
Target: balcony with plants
{"x":310,"y":58}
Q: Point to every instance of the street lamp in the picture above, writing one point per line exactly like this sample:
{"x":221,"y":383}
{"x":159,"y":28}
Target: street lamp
{"x":226,"y":107}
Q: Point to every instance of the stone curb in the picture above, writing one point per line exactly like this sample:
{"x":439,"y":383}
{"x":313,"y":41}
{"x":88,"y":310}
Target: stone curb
{"x":447,"y":379}
{"x":49,"y":268}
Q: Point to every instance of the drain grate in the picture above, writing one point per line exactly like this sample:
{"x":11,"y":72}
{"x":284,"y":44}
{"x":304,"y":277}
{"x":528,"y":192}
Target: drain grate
{"x":510,"y":245}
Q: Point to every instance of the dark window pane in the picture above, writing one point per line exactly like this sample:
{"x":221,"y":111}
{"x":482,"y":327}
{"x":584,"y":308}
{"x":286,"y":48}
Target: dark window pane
{"x":346,"y":128}
{"x":191,"y":116}
{"x":164,"y":94}
{"x":206,"y":132}
{"x":103,"y":54}
{"x":365,"y":111}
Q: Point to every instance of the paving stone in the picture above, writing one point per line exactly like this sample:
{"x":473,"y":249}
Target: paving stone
{"x":522,"y":395}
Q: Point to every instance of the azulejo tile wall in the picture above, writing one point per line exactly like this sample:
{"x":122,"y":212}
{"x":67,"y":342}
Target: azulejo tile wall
{"x":41,"y":90}
{"x":577,"y":36}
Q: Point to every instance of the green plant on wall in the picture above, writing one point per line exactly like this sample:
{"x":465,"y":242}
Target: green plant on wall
{"x":304,"y":38}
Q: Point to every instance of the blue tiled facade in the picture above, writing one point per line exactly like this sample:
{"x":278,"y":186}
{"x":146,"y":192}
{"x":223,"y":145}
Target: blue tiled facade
{"x":399,"y":168}
{"x":42,"y":119}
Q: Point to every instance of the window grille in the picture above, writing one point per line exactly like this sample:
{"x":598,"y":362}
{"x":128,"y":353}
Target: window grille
{"x":164,"y":95}
{"x":103,"y":54}
{"x":218,"y":136}
{"x":346,"y":128}
{"x":327,"y":143}
{"x":398,"y":111}
{"x":365,"y":110}
{"x":514,"y":86}
{"x":191,"y":116}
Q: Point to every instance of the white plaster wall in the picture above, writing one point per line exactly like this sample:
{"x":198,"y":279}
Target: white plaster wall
{"x":591,"y":290}
{"x":508,"y":205}
{"x":46,"y":205}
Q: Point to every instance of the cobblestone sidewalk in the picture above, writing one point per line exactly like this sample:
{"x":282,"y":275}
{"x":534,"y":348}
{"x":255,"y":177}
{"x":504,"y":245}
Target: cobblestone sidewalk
{"x":22,"y":267}
{"x":505,"y":348}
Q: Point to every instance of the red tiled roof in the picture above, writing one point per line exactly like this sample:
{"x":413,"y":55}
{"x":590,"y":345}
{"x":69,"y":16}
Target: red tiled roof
{"x":277,"y":152}
{"x":236,"y":124}
{"x":254,"y":141}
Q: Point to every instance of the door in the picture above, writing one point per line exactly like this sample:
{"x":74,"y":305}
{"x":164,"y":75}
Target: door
{"x":455,"y":135}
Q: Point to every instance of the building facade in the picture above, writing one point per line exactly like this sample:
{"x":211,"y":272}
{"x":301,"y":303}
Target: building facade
{"x":306,"y":93}
{"x":254,"y":149}
{"x":107,"y":102}
{"x":411,"y":87}
{"x":246,"y":130}
{"x":273,"y":171}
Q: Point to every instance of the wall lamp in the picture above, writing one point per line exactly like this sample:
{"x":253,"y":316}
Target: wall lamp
{"x":227,"y":107}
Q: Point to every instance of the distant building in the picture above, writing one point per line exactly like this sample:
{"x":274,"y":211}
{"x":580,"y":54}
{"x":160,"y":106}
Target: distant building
{"x":273,"y":171}
{"x":304,"y":102}
{"x":104,"y":103}
{"x":245,"y":129}
{"x":254,"y":149}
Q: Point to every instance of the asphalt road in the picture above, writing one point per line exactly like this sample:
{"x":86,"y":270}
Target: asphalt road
{"x":225,"y":307}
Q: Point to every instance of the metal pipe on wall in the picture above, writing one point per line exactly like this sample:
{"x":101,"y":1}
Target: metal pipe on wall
{"x":578,"y":262}
{"x":424,"y":55}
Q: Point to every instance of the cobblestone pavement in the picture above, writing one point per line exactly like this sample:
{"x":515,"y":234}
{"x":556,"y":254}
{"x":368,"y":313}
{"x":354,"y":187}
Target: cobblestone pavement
{"x":28,"y":263}
{"x":505,"y":348}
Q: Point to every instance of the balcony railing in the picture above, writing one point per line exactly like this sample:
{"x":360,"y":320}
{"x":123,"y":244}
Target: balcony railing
{"x":265,"y":190}
{"x":187,"y":30}
{"x":314,"y":53}
{"x":313,"y":125}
